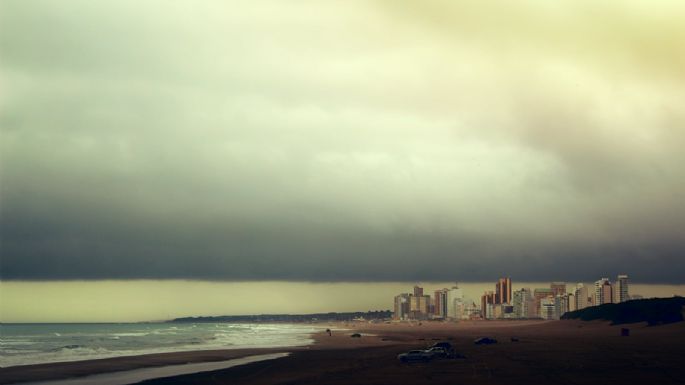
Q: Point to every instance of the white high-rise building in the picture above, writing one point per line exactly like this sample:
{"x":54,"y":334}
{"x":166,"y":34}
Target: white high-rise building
{"x":621,"y":289}
{"x":401,"y":305}
{"x":571,"y":301}
{"x":455,"y":301}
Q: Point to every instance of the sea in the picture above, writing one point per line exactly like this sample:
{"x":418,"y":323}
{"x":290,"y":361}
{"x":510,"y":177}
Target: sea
{"x":25,"y":344}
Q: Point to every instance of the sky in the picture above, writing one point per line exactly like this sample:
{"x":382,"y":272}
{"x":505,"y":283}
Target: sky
{"x":341,"y":141}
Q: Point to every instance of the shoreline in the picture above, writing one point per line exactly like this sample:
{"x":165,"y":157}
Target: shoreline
{"x":57,"y":371}
{"x":135,"y":376}
{"x":67,"y":370}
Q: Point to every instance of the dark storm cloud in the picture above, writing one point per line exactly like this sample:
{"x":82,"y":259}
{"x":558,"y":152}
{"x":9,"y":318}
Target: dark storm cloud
{"x":215,"y":142}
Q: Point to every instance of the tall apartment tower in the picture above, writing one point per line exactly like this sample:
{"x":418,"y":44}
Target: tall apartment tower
{"x":547,"y":308}
{"x":581,"y":297}
{"x":503,"y":291}
{"x":522,"y":301}
{"x":455,"y":299}
{"x":604,"y":292}
{"x":599,"y":291}
{"x":486,"y":299}
{"x":621,"y":292}
{"x":571,"y":301}
{"x":440,"y":304}
{"x":418,"y":291}
{"x":558,"y":288}
{"x":418,"y":306}
{"x":401,"y":307}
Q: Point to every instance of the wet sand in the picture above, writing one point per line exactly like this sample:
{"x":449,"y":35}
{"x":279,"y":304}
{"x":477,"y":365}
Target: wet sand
{"x":77,"y":369}
{"x":563,"y":352}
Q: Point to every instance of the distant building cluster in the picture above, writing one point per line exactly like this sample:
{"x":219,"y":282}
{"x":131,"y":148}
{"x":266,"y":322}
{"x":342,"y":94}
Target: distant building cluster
{"x":503,"y":303}
{"x":446,"y":304}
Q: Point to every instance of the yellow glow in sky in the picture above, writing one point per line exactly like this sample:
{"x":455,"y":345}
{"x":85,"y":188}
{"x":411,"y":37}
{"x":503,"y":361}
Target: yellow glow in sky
{"x":149,"y":300}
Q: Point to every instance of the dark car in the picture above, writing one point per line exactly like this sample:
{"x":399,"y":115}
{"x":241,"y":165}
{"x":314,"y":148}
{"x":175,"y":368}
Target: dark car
{"x":449,"y":349}
{"x":443,"y":344}
{"x":484,"y":341}
{"x":415,"y":355}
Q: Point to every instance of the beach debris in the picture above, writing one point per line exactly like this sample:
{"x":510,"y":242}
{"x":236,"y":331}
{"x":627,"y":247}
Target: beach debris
{"x":356,"y":335}
{"x":514,"y":339}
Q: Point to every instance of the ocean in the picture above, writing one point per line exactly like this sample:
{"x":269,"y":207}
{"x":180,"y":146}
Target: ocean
{"x":24,"y":344}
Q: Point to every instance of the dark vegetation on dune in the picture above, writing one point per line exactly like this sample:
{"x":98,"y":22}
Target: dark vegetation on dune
{"x":654,"y":311}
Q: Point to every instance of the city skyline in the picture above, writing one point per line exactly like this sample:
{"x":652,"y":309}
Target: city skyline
{"x":541,"y":302}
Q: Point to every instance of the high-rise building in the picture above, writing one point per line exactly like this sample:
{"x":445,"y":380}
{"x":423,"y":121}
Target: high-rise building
{"x":571,"y":301}
{"x":538,"y":295}
{"x":547,"y":307}
{"x":621,"y":294}
{"x":581,"y":297}
{"x":560,"y":306}
{"x":558,"y":288}
{"x":600,"y":293}
{"x":607,"y":293}
{"x":440,"y":304}
{"x":603,"y":292}
{"x":455,"y":298}
{"x":486,"y":302}
{"x":418,"y":306}
{"x":418,"y":291}
{"x":522,"y":301}
{"x":503,"y":291}
{"x":401,"y":307}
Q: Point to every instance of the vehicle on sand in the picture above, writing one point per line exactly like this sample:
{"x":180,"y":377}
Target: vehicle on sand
{"x":415,"y":355}
{"x":437,"y":352}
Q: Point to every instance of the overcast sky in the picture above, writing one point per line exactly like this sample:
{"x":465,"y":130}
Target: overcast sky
{"x":343,"y":140}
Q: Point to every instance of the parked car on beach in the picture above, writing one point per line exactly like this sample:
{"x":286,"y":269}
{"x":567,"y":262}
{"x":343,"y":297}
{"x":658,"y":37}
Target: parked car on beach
{"x":415,"y":355}
{"x":437,"y":352}
{"x":449,"y":349}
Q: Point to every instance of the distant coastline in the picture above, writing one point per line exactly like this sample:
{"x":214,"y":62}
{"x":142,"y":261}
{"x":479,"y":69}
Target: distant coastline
{"x":379,"y":315}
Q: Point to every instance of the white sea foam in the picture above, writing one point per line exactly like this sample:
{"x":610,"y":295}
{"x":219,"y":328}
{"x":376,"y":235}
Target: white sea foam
{"x":44,"y":343}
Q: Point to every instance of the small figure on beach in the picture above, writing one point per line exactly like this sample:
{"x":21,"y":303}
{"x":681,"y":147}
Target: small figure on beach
{"x":329,"y":332}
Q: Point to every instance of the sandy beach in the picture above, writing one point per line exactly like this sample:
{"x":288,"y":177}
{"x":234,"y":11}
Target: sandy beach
{"x":568,"y":352}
